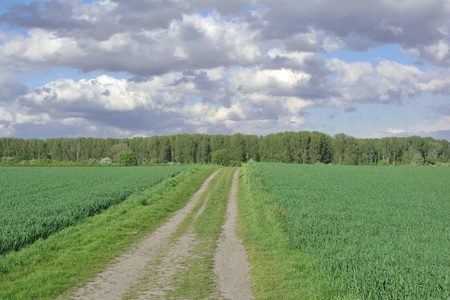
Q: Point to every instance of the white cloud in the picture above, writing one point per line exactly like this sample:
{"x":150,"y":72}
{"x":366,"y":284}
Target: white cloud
{"x":438,"y":53}
{"x":110,"y":93}
{"x":72,"y":121}
{"x":442,"y":124}
{"x":422,"y":129}
{"x":195,"y":40}
{"x":232,"y":69}
{"x":396,"y":130}
{"x":5,"y":115}
{"x":39,"y":46}
{"x":269,"y":82}
{"x":39,"y":119}
{"x":387,"y":82}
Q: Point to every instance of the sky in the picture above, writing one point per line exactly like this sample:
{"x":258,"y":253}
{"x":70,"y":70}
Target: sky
{"x":126,"y":68}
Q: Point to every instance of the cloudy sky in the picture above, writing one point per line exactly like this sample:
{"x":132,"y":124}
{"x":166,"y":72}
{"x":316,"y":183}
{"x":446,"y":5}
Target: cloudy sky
{"x":124,"y":68}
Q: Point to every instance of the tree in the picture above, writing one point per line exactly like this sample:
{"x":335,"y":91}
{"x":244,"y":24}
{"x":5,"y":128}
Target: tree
{"x":339,"y":143}
{"x":127,"y":158}
{"x":397,"y":148}
{"x":251,"y":148}
{"x":221,"y":157}
{"x":315,"y":147}
{"x":352,"y":151}
{"x":116,"y":149}
{"x":203,"y":150}
{"x":304,"y":139}
{"x":237,"y":148}
{"x":417,"y":159}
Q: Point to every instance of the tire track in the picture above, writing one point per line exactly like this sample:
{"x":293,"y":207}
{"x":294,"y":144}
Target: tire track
{"x":231,"y":265}
{"x":152,"y":270}
{"x":116,"y":279}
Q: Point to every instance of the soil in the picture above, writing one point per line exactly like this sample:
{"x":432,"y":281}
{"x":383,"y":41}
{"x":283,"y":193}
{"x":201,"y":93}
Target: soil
{"x":148,"y":269}
{"x":231,"y":264}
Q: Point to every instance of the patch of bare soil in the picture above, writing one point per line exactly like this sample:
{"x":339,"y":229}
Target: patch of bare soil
{"x":117,"y":278}
{"x":231,"y":264}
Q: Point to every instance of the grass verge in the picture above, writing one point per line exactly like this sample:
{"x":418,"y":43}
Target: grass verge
{"x":68,"y":259}
{"x":279,"y":270}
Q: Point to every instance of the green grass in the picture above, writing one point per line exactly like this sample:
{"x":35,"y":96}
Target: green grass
{"x":36,"y":202}
{"x":71,"y":257}
{"x":380,"y":233}
{"x":279,"y":269}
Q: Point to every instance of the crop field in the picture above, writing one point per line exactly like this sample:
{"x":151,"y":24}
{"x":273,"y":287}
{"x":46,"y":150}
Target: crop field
{"x":384,"y":233}
{"x":35,"y":202}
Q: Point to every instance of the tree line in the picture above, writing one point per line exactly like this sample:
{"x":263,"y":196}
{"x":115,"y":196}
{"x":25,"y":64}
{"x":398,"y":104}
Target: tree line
{"x":288,"y":147}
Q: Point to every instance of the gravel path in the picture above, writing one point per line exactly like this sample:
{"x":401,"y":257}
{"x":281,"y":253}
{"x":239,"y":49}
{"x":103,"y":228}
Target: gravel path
{"x":158,"y":277}
{"x":231,"y":264}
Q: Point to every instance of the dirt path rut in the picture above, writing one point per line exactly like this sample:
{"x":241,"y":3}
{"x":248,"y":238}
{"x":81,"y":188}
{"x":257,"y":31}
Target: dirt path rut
{"x":231,"y":264}
{"x":148,"y":270}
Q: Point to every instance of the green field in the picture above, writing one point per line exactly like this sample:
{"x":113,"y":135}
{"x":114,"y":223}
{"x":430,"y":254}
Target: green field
{"x":311,"y":231}
{"x":380,"y":233}
{"x":36,"y":202}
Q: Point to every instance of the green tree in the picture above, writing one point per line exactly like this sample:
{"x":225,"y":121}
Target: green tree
{"x":116,"y":149}
{"x":251,"y":148}
{"x":431,"y":158}
{"x":383,"y":162}
{"x":203,"y":154}
{"x":127,"y":158}
{"x":221,"y":157}
{"x":339,"y":143}
{"x":237,"y":148}
{"x":304,"y":139}
{"x":417,"y":159}
{"x":352,"y":151}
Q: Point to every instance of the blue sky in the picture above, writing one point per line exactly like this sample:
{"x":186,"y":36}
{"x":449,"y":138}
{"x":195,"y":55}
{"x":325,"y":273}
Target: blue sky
{"x":141,"y":68}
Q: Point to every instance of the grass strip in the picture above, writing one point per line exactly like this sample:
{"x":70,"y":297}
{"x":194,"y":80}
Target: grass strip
{"x":70,"y":258}
{"x":279,"y":270}
{"x":197,"y":279}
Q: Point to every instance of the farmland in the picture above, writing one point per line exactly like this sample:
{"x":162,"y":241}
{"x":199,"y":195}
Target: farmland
{"x":311,"y":231}
{"x":379,"y":233}
{"x":35,"y":202}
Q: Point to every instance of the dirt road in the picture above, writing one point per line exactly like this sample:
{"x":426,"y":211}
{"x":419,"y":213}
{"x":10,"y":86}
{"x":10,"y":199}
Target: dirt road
{"x":231,"y":265}
{"x":150,"y":270}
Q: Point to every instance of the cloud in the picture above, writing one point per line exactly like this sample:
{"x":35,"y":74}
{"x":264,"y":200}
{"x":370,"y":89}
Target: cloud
{"x":443,"y":124}
{"x":440,"y":129}
{"x":437,"y":53}
{"x":161,"y":103}
{"x":46,"y":15}
{"x":212,"y":67}
{"x":396,"y":131}
{"x":5,"y":115}
{"x":193,"y":41}
{"x":387,"y":82}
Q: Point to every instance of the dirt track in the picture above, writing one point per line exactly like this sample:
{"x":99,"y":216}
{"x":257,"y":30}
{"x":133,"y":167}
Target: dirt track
{"x":148,"y":269}
{"x":231,"y":265}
